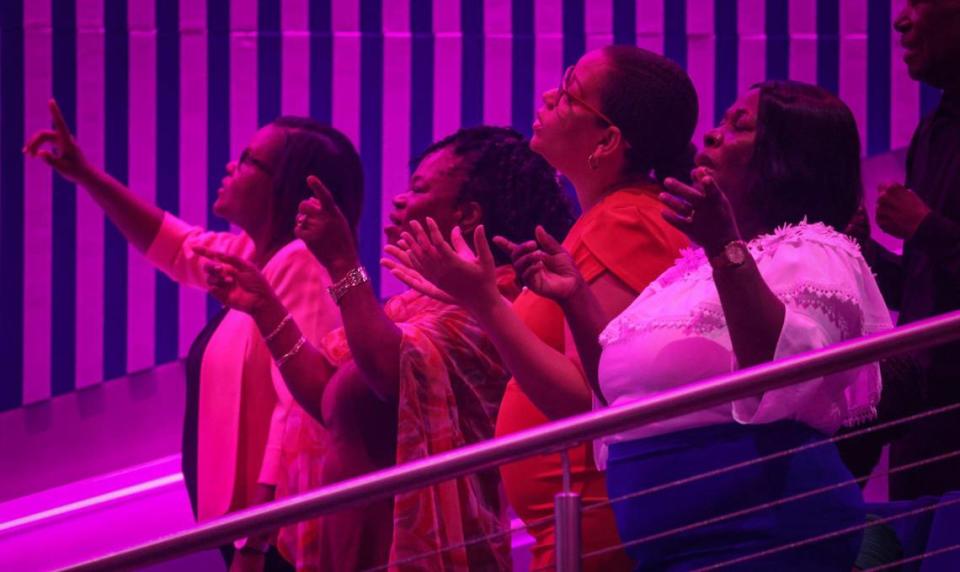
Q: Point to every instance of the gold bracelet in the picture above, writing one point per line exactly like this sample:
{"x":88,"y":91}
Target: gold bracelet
{"x":293,"y":351}
{"x":269,"y":337}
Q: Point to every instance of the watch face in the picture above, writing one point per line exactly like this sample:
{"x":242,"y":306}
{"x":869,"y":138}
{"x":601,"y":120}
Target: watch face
{"x":735,"y":253}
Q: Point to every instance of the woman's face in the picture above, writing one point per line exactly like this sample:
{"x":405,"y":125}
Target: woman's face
{"x":246,"y":195}
{"x":728,"y":147}
{"x":434,"y":192}
{"x":568,"y":127}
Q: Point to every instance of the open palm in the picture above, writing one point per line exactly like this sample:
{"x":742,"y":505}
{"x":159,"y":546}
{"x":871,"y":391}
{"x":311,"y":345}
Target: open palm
{"x":236,"y":282}
{"x":544,"y":266}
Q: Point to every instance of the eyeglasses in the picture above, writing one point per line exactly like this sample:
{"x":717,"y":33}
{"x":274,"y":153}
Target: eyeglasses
{"x":246,"y":158}
{"x":563,"y":91}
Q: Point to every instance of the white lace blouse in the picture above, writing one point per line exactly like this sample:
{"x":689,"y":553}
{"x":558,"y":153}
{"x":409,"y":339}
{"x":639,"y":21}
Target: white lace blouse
{"x":675,"y":333}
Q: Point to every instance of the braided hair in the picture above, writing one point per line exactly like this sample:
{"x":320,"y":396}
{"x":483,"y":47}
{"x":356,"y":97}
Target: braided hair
{"x":654,"y":104}
{"x":515,"y":187}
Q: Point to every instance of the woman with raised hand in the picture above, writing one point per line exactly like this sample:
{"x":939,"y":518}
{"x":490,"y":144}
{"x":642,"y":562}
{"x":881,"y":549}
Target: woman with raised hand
{"x":618,"y":124}
{"x":415,"y":377}
{"x":238,"y":408}
{"x":777,"y":182}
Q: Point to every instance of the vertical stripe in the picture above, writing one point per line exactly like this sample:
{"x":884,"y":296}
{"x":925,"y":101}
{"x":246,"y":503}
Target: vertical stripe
{"x":498,"y":62}
{"x":193,"y":152}
{"x":168,"y":167}
{"x":90,"y":240}
{"x":828,"y":44}
{"x":598,"y":26}
{"x":116,"y":111}
{"x":878,"y":76}
{"x":521,"y":116}
{"x":421,"y":71}
{"x":31,"y":212}
{"x":803,"y":40}
{"x":625,"y":22}
{"x":725,"y":24}
{"x":448,"y":56}
{"x":295,"y":56}
{"x":269,"y":65}
{"x":321,"y":61}
{"x":12,"y":134}
{"x":141,"y":294}
{"x":471,"y":23}
{"x":219,"y":126}
{"x":549,"y":48}
{"x":63,"y":331}
{"x":346,"y":68}
{"x":778,"y":39}
{"x":752,"y":57}
{"x":701,"y":58}
{"x":650,"y":24}
{"x":675,"y":31}
{"x":853,"y":62}
{"x":398,"y":96}
{"x":574,"y":38}
{"x":371,"y":123}
{"x":244,"y":57}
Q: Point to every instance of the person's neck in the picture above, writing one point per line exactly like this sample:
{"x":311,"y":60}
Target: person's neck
{"x":265,"y":244}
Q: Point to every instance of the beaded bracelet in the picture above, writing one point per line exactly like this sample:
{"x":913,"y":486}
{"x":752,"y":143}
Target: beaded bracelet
{"x":293,"y":351}
{"x":269,"y":337}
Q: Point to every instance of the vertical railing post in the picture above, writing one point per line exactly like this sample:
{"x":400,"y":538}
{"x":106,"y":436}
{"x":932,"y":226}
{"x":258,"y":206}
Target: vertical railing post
{"x":566,"y":516}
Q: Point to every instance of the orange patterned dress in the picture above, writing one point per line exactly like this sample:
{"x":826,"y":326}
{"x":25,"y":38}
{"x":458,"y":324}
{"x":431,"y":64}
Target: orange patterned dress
{"x":451,"y":385}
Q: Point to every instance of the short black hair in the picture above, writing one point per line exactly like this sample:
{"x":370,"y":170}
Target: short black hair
{"x":312,"y":148}
{"x":516,"y":188}
{"x":806,"y":159}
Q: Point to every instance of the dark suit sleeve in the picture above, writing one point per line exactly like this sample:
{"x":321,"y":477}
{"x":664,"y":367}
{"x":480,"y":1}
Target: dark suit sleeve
{"x":889,"y":270}
{"x":939,"y":238}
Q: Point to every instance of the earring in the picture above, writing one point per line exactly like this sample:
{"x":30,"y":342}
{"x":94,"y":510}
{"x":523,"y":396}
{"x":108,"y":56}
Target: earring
{"x":593,"y":162}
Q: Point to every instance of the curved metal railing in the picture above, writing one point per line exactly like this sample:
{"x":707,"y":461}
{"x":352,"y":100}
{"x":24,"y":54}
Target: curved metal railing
{"x":550,"y":437}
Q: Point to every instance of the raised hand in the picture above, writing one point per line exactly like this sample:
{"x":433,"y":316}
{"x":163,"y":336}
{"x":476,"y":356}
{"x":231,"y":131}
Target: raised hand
{"x":236,"y":282}
{"x":402,"y":270}
{"x":468,"y":279}
{"x":702,"y":212}
{"x":899,"y":210}
{"x":543,"y":266}
{"x":58,"y":148}
{"x":325,"y":231}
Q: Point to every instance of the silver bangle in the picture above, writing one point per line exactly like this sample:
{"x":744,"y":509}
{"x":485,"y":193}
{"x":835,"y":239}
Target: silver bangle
{"x":286,"y":320}
{"x":293,"y":351}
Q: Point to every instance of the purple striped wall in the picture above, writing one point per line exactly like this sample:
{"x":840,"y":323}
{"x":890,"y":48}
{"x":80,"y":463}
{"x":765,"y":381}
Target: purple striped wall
{"x":164,"y":93}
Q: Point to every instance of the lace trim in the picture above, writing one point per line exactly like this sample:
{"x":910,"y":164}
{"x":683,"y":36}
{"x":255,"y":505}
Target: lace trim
{"x":838,"y":306}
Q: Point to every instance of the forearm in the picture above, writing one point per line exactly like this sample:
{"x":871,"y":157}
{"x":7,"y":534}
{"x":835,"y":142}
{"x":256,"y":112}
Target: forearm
{"x":551,"y":381}
{"x":305,"y":371}
{"x":137,"y":219}
{"x":374,"y":338}
{"x":753,"y":313}
{"x":586,"y":319}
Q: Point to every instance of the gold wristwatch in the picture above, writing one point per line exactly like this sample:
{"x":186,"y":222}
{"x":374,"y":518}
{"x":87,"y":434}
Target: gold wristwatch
{"x":733,"y":255}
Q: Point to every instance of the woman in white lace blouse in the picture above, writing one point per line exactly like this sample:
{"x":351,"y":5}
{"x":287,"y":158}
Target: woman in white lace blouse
{"x":773,"y":277}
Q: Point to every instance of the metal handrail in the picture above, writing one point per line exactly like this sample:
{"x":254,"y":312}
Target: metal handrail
{"x":549,"y":437}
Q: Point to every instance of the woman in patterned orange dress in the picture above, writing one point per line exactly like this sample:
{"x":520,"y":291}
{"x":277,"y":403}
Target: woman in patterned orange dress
{"x":414,"y":378}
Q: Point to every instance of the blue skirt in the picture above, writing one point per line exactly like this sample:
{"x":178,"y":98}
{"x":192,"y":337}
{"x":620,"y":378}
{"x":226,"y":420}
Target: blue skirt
{"x":638,"y":465}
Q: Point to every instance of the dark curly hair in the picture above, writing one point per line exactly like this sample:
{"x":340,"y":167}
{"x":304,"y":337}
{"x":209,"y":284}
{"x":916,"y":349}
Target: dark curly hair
{"x":514,"y":186}
{"x":806,"y":158}
{"x":311,"y":148}
{"x":653,"y":102}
